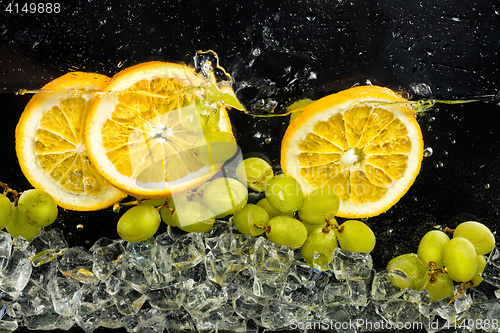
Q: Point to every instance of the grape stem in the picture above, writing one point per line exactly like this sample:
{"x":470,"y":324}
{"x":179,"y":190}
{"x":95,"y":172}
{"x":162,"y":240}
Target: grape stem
{"x":461,"y":290}
{"x":446,"y":229}
{"x":260,"y":226}
{"x":8,"y":190}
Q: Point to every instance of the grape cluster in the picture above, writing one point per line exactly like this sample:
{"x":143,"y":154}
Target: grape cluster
{"x":282,"y":213}
{"x":441,"y":261}
{"x":28,"y":214}
{"x":289,"y":218}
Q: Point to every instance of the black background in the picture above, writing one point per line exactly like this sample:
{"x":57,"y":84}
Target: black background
{"x":281,"y":51}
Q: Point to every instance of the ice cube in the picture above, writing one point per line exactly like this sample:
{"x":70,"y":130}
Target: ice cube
{"x":77,"y":263}
{"x":62,"y":290}
{"x":383,"y":289}
{"x":108,"y":255}
{"x":47,"y":246}
{"x":203,"y":298}
{"x":187,"y":251}
{"x":5,"y":248}
{"x":34,"y":300}
{"x":351,"y":265}
{"x":168,"y":298}
{"x":491,"y":272}
{"x":276,"y":314}
{"x":247,"y":305}
{"x":16,"y":274}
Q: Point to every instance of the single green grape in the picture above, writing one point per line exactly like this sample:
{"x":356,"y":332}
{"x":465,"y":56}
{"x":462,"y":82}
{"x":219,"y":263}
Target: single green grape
{"x":225,"y":196}
{"x":414,"y":269}
{"x":215,"y":147}
{"x":460,"y":259}
{"x":193,"y":216}
{"x":248,"y":218}
{"x":355,"y":236}
{"x":138,"y":223}
{"x":430,"y":248}
{"x":284,"y":193}
{"x":167,"y":212}
{"x":38,"y":207}
{"x":318,"y":248}
{"x":318,"y":206}
{"x":477,"y":278}
{"x":480,"y":236}
{"x":6,"y":207}
{"x":287,"y":231}
{"x":19,"y":226}
{"x":255,"y":172}
{"x":440,"y":286}
{"x":271,"y":211}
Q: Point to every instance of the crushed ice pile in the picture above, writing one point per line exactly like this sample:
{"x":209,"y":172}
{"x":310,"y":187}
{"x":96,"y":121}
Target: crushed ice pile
{"x":217,"y":281}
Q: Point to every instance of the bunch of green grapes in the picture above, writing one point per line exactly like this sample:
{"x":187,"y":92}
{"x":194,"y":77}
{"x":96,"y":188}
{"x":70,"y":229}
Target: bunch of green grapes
{"x":441,"y":261}
{"x":34,"y":210}
{"x":315,"y":230}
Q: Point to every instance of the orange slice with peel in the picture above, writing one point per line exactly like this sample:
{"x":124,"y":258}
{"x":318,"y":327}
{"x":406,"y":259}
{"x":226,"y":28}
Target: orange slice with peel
{"x":363,"y":143}
{"x":50,"y":144}
{"x":141,"y":132}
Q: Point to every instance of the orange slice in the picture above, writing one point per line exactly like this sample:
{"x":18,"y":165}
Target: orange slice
{"x":50,"y":144}
{"x":141,"y":132}
{"x":363,"y":143}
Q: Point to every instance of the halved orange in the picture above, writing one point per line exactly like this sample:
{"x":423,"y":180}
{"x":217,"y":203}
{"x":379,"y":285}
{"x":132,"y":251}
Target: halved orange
{"x":141,"y":132}
{"x":50,"y":144}
{"x":363,"y":143}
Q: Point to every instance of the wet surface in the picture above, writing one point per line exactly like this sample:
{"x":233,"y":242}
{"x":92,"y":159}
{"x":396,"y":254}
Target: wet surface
{"x":277,"y":55}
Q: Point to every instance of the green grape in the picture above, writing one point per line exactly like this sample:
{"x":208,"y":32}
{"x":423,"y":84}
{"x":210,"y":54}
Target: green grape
{"x":480,"y":236}
{"x":38,"y":207}
{"x":215,"y":147}
{"x":6,"y":207}
{"x":19,"y":226}
{"x":287,"y":231}
{"x":414,"y":269}
{"x":318,"y":248}
{"x":477,"y":278}
{"x":440,"y":286}
{"x":460,"y":259}
{"x":430,"y":248}
{"x":225,"y":196}
{"x":318,"y":206}
{"x":255,"y":172}
{"x":154,"y":202}
{"x":193,"y":216}
{"x":271,"y":211}
{"x":246,"y":220}
{"x":167,"y":213}
{"x":138,"y":223}
{"x":284,"y":193}
{"x":355,"y":236}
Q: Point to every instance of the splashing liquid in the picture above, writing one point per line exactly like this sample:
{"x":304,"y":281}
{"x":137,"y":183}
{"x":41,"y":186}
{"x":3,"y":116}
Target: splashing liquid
{"x":220,"y":82}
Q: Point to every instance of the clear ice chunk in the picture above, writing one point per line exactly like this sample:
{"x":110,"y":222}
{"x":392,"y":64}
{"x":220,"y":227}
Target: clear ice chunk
{"x":187,"y":251}
{"x":277,"y":315}
{"x":167,"y":298}
{"x":16,"y":274}
{"x":46,"y":246}
{"x":382,"y":288}
{"x":49,"y":320}
{"x":77,"y":263}
{"x":351,"y":265}
{"x":203,"y":298}
{"x":34,"y":300}
{"x":62,"y":290}
{"x":108,"y":255}
{"x":491,"y":272}
{"x":5,"y":248}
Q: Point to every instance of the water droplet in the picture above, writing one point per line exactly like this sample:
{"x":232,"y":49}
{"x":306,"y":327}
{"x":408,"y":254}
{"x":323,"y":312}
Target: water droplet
{"x":487,"y":186}
{"x":453,"y":141}
{"x":431,"y":119}
{"x":79,"y":226}
{"x":73,"y":92}
{"x":268,"y":140}
{"x":428,"y":152}
{"x":439,"y":165}
{"x":256,"y":52}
